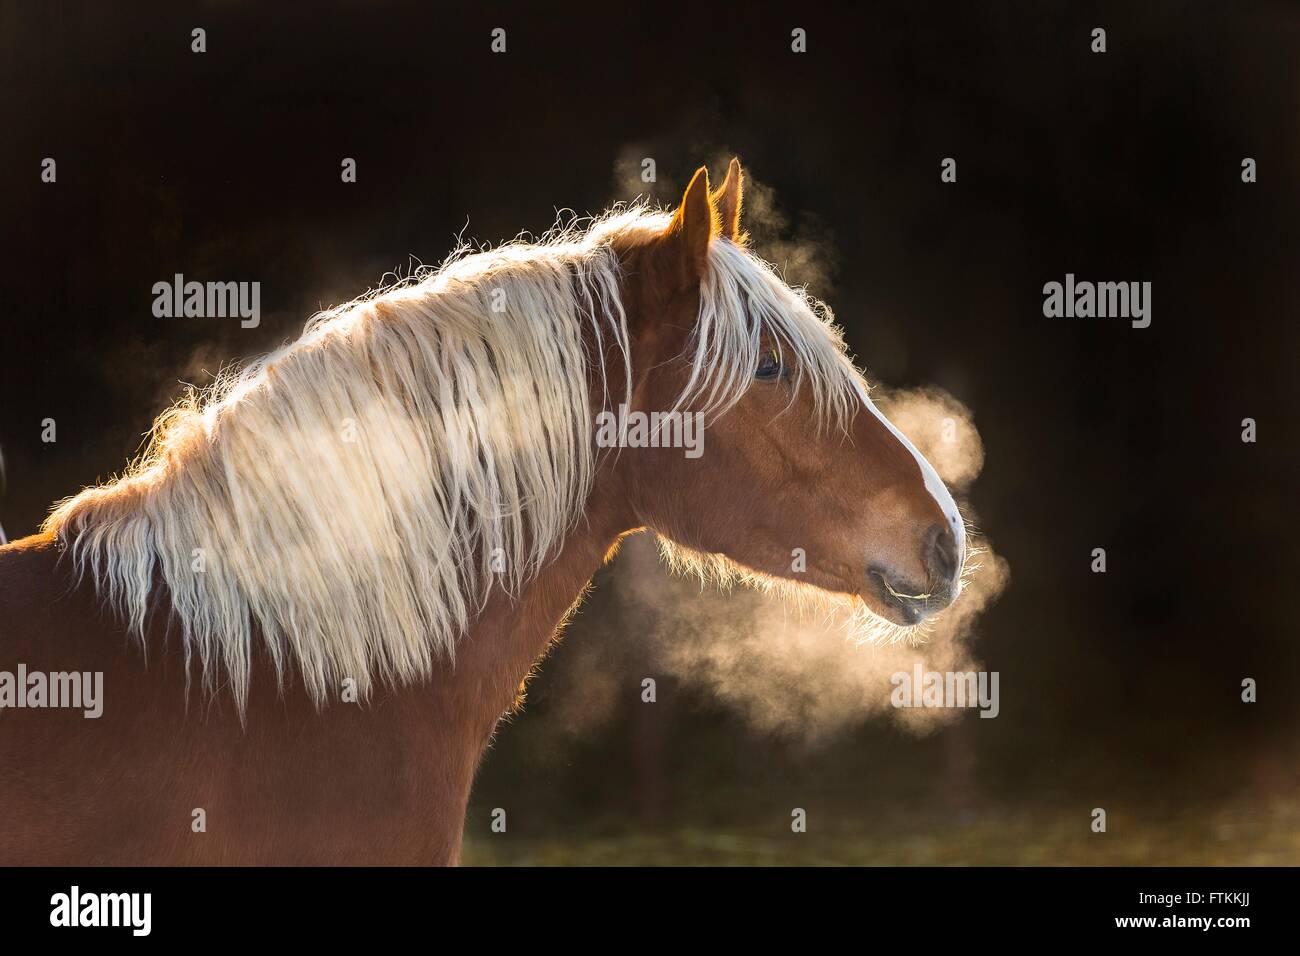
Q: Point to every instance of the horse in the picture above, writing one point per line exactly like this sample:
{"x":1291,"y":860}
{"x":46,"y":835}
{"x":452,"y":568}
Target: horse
{"x":331,"y":573}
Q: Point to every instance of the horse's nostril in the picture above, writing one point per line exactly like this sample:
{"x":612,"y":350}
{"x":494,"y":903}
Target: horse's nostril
{"x":941,"y":553}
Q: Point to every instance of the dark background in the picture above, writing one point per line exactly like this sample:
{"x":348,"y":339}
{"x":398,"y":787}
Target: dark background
{"x":1122,"y":166}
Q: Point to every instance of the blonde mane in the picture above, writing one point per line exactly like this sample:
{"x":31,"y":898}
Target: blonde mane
{"x":351,"y":500}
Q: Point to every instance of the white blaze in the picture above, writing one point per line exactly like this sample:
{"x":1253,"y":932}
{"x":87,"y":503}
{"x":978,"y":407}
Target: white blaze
{"x":933,"y":484}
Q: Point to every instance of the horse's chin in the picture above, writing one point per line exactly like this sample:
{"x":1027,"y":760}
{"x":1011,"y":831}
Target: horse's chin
{"x":873,"y":623}
{"x":871,"y":607}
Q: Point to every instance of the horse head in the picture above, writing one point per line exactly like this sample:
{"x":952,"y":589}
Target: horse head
{"x":798,"y":477}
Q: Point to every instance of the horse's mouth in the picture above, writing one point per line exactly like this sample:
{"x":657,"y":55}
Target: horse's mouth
{"x":910,"y":604}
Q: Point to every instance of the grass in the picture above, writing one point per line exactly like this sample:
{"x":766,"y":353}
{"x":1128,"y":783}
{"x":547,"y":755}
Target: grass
{"x":1227,"y":836}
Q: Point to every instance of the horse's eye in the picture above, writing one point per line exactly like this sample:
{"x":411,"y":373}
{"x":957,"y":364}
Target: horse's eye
{"x":769,"y":366}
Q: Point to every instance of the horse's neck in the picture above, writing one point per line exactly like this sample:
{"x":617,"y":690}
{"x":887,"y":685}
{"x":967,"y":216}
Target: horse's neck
{"x":513,"y":632}
{"x":495,"y":657}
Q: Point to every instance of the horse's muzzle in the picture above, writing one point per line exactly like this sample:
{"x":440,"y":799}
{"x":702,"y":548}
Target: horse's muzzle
{"x":914,"y":603}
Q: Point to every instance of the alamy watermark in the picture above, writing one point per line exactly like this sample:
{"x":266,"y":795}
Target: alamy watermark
{"x":628,"y":429}
{"x":1101,"y":300}
{"x":216,"y":300}
{"x":75,"y":690}
{"x":922,"y":688}
{"x":75,"y":908}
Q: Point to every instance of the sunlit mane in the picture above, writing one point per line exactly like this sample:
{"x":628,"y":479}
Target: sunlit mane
{"x":350,"y":501}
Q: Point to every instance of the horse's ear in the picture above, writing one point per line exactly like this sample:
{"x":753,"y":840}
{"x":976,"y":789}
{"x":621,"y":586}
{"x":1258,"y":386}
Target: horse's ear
{"x":726,"y":200}
{"x":693,"y":227}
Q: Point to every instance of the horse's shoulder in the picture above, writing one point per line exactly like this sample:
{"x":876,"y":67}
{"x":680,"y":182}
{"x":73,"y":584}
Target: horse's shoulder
{"x":33,"y":584}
